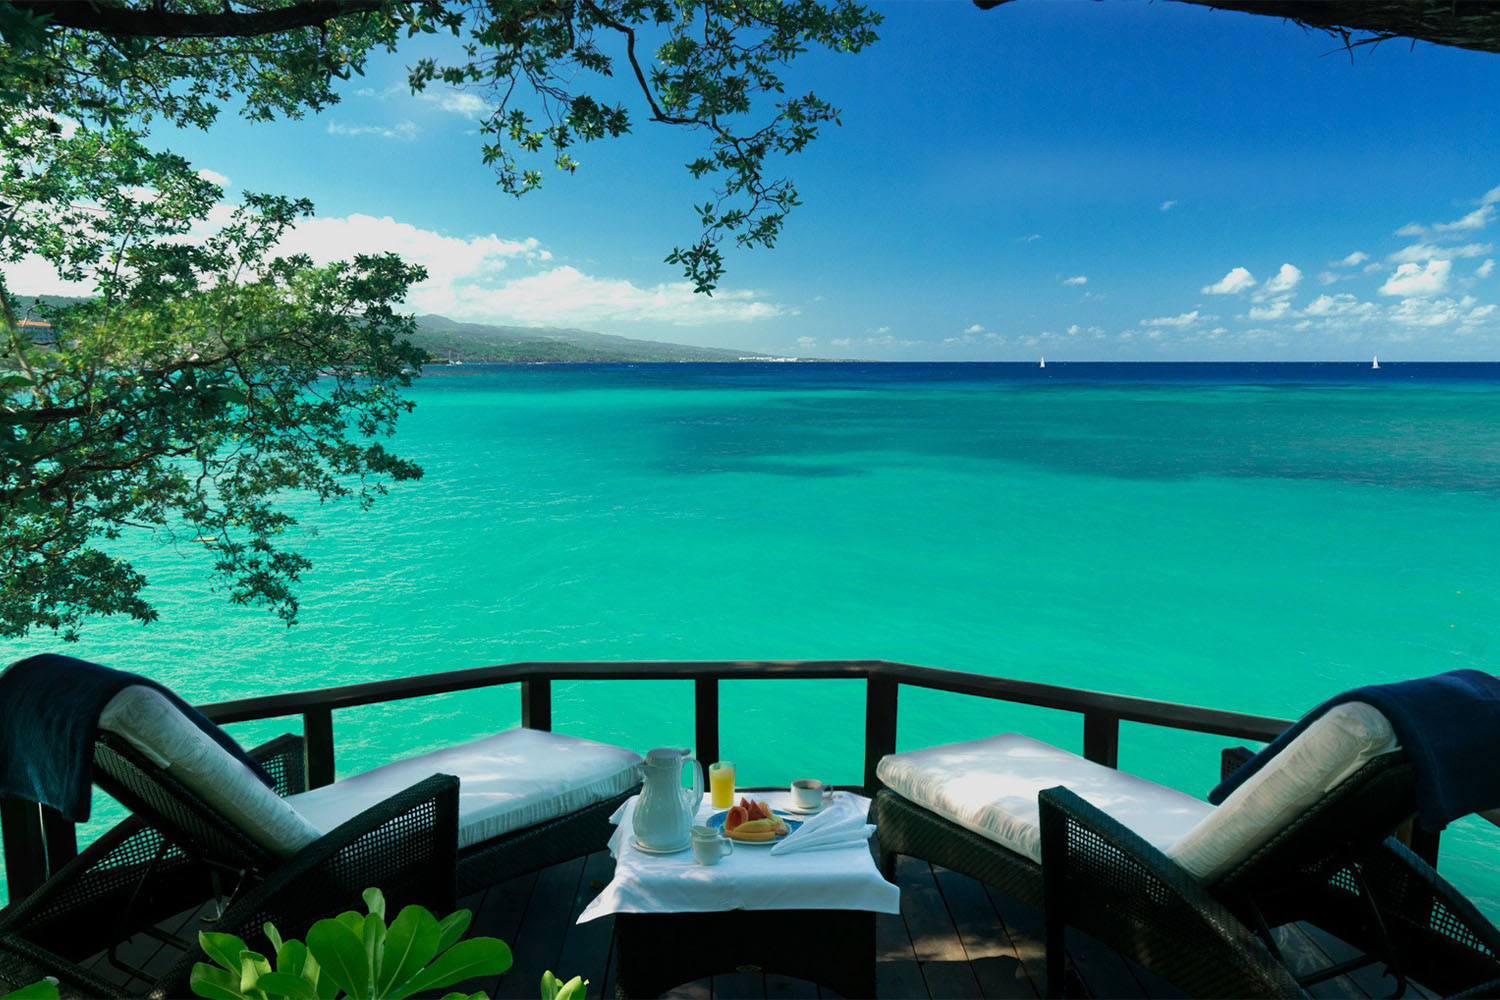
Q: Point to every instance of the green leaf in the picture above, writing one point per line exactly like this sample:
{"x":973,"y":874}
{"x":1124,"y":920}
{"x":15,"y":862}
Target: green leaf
{"x":274,"y":936}
{"x":341,"y":955}
{"x":452,"y":928}
{"x":575,"y":989}
{"x":282,"y":984}
{"x":455,"y":995}
{"x":222,"y":948}
{"x":44,"y":990}
{"x":214,"y":983}
{"x":374,"y":941}
{"x":375,"y":900}
{"x":291,"y":958}
{"x":413,"y":940}
{"x":253,"y":965}
{"x":481,"y":956}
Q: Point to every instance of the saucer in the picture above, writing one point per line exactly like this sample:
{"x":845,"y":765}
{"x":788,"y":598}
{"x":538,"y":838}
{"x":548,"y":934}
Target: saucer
{"x":803,"y":812}
{"x":656,"y":850}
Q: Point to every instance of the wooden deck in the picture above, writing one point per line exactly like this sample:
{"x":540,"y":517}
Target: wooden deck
{"x":953,"y":938}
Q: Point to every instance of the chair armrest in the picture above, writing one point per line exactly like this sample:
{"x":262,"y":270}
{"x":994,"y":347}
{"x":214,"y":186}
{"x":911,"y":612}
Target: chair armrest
{"x":1104,"y":879}
{"x":406,"y":845}
{"x":285,"y":760}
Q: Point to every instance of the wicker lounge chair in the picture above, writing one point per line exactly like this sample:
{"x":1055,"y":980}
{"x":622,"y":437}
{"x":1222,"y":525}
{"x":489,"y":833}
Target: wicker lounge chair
{"x":205,"y":835}
{"x":1191,"y":891}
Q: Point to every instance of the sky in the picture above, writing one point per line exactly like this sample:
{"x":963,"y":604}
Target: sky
{"x":1110,"y":181}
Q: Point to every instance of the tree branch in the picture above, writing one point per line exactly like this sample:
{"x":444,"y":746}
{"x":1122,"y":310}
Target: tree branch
{"x":156,"y":21}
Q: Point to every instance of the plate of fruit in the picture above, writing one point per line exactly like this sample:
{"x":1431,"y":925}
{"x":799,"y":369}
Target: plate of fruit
{"x":753,"y":822}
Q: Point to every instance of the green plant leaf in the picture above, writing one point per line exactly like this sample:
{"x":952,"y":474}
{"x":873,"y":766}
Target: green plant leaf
{"x":44,"y":990}
{"x":282,"y":984}
{"x":375,"y":900}
{"x":214,"y":983}
{"x":341,"y":955}
{"x":224,"y":949}
{"x":373,"y":935}
{"x":291,"y":957}
{"x":413,"y":940}
{"x":455,"y":995}
{"x":273,"y":935}
{"x":481,"y":956}
{"x":452,"y":927}
{"x":253,"y":965}
{"x":550,"y":986}
{"x":575,"y":989}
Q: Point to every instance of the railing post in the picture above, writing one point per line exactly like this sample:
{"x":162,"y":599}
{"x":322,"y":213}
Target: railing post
{"x":880,"y":725}
{"x":706,"y":719}
{"x":62,"y":838}
{"x":25,"y":847}
{"x":317,"y":734}
{"x":536,"y":704}
{"x":1101,"y":738}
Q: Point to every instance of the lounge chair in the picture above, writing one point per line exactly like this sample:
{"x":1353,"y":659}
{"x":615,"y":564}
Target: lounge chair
{"x":203,"y":828}
{"x":1190,"y":890}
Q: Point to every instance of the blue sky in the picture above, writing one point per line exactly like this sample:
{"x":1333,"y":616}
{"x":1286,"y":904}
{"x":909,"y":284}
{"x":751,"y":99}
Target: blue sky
{"x":1088,"y":181}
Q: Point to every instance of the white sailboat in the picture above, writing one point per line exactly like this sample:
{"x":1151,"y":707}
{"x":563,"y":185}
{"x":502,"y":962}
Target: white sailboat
{"x":1043,"y":364}
{"x":1375,"y":361}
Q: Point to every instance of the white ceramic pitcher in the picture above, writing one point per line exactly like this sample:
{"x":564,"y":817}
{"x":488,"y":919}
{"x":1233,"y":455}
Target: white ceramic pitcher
{"x":664,"y":813}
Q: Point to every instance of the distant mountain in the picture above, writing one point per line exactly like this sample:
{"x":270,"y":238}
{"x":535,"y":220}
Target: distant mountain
{"x":449,"y":340}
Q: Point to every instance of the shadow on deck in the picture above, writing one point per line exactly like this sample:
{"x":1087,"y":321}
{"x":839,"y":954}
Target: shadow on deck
{"x":953,"y":938}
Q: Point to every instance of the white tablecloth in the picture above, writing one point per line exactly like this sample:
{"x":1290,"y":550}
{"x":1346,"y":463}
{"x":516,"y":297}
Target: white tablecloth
{"x":748,"y":879}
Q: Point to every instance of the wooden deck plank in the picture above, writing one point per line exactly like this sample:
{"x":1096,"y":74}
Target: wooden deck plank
{"x":992,"y":957}
{"x":897,"y":972}
{"x":944,"y":964}
{"x":1024,"y":927}
{"x":1304,"y":954}
{"x":538,"y":943}
{"x":500,"y":914}
{"x":587,"y":948}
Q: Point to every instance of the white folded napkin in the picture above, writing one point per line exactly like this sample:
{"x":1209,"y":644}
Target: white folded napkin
{"x":842,"y":824}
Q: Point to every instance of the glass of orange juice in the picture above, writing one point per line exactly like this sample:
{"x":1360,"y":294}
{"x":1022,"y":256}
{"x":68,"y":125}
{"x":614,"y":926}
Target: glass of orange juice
{"x":721,"y":784}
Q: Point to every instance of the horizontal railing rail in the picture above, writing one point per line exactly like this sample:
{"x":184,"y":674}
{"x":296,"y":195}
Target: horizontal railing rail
{"x":37,"y":841}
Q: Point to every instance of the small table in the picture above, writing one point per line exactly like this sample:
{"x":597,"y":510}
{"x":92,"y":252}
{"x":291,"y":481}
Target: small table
{"x":809,"y":914}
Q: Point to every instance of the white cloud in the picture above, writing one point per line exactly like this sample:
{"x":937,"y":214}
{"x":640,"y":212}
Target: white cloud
{"x":1077,"y":279}
{"x":1167,"y":206}
{"x":1424,"y":312}
{"x":879,"y":330}
{"x":32,"y":275}
{"x":1415,"y":280}
{"x":1485,"y":270}
{"x":459,"y":102}
{"x":1475,"y":220}
{"x":972,"y":328}
{"x":1237,"y":280}
{"x":1284,"y":280}
{"x":1339,"y":305}
{"x":1354,"y":259}
{"x":840,"y":342}
{"x":405,"y":131}
{"x":468,"y":278}
{"x":1419,"y":252}
{"x":1280,"y":309}
{"x":1175,"y":322}
{"x":1030,"y":238}
{"x":214,"y":177}
{"x":807,"y":341}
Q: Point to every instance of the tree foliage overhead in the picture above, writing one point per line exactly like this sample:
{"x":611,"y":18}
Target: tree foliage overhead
{"x":209,"y":376}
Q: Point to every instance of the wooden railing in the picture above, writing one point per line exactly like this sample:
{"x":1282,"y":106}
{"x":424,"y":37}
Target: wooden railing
{"x":38,"y":842}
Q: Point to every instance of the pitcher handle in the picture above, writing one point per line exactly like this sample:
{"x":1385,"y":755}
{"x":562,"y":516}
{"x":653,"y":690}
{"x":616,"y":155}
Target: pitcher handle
{"x":695,"y":796}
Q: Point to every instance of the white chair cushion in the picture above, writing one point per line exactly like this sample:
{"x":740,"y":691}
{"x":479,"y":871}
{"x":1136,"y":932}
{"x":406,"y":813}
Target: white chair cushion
{"x":990,"y":786}
{"x":155,"y":727}
{"x":1336,"y":745}
{"x":507,"y":782}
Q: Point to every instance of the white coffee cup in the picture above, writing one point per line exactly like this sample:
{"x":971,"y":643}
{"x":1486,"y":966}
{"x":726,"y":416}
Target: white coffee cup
{"x":709,"y":845}
{"x":810,"y":794}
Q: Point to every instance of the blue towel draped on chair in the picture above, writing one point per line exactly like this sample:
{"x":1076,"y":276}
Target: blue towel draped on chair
{"x":1449,"y":726}
{"x":49,"y":713}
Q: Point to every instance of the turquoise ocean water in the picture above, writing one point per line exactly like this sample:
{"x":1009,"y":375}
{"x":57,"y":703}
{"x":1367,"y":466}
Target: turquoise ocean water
{"x":1237,"y":536}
